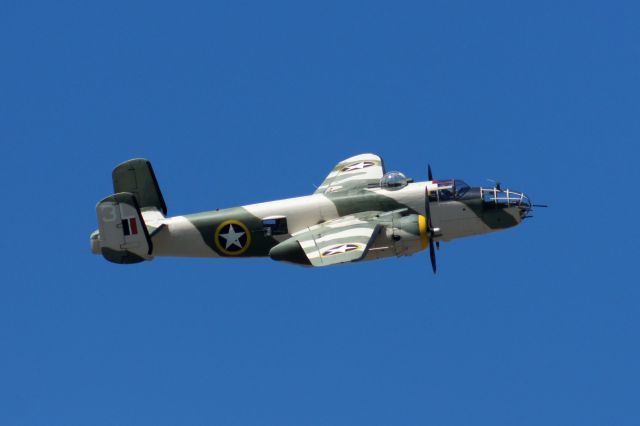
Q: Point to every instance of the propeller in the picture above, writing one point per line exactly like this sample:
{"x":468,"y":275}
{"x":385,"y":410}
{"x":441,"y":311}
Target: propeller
{"x":430,"y":228}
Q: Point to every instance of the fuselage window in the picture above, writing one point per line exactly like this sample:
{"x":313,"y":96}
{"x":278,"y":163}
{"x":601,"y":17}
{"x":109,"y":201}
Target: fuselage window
{"x":276,"y":226}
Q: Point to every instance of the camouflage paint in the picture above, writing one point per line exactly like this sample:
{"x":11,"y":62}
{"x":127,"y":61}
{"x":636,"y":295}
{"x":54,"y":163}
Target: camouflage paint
{"x":350,"y":197}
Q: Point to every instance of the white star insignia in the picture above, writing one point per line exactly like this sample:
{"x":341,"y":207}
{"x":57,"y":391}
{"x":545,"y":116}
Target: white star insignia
{"x":232,"y":237}
{"x":340,"y":249}
{"x":358,"y":166}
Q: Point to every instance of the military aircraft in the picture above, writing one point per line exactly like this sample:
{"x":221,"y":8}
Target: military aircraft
{"x":360,"y":212}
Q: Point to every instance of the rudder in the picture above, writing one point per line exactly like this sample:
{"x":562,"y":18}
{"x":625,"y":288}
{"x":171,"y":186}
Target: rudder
{"x":123,"y":236}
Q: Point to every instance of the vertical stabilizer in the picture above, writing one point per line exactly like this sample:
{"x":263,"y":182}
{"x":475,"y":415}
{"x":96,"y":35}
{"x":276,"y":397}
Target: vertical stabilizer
{"x":123,"y":235}
{"x":136,"y":176}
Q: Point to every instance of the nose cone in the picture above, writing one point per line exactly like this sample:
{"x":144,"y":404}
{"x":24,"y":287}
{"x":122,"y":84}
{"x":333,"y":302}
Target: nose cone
{"x":504,"y":208}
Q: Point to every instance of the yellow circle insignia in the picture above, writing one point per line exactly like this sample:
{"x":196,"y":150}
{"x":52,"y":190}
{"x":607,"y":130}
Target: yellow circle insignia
{"x":232,"y":237}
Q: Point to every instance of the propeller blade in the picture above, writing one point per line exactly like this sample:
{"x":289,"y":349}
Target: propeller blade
{"x":432,"y":256}
{"x":427,"y":211}
{"x":429,"y":172}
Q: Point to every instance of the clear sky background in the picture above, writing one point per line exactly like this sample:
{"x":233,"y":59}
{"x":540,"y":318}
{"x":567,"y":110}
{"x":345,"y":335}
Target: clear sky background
{"x":241,"y":102}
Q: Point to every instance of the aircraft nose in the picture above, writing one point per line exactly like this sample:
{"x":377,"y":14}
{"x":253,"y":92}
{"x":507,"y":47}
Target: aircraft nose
{"x":499,"y":198}
{"x":525,"y":206}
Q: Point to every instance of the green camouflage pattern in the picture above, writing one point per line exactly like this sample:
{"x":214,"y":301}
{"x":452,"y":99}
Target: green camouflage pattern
{"x":353,"y":215}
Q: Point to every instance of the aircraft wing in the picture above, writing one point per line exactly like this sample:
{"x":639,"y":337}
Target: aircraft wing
{"x":353,"y":173}
{"x":346,"y":239}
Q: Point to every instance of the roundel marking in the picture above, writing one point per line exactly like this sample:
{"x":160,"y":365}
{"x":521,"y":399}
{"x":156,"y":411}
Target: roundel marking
{"x":232,"y":237}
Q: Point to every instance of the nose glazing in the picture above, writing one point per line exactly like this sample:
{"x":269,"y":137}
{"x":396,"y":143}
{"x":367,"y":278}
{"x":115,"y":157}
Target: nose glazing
{"x":494,"y":197}
{"x":525,"y":206}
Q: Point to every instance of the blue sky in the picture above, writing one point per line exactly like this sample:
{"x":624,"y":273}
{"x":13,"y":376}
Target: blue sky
{"x":241,"y":102}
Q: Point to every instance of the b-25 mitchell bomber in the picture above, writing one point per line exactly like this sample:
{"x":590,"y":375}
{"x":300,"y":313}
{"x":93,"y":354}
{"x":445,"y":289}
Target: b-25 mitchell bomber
{"x":360,"y":212}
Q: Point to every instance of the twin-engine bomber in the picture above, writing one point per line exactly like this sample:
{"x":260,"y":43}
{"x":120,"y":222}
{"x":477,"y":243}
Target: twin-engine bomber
{"x":359,"y":212}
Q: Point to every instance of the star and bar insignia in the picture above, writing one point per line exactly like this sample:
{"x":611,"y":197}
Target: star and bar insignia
{"x":358,"y":166}
{"x":343,"y":248}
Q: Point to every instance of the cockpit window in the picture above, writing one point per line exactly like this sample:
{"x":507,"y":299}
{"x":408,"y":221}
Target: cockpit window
{"x":460,"y":188}
{"x":450,"y":189}
{"x":446,"y":194}
{"x":393,"y":180}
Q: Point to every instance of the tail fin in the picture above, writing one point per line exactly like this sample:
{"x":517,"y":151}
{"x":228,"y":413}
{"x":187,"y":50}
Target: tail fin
{"x":123,"y":236}
{"x":136,"y":177}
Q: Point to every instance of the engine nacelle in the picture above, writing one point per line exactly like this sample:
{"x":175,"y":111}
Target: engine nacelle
{"x":402,"y":236}
{"x":409,"y":234}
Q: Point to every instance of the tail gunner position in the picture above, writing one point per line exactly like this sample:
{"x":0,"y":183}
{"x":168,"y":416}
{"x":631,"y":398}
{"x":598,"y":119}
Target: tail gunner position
{"x":360,"y":212}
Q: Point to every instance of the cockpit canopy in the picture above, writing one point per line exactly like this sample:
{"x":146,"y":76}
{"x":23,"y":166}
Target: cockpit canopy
{"x":449,"y":189}
{"x":393,"y":180}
